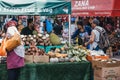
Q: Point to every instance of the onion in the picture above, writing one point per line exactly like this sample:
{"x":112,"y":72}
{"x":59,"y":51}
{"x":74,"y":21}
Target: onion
{"x":40,"y":35}
{"x":43,"y":37}
{"x":31,"y":38}
{"x":47,"y":35}
{"x":34,"y":36}
{"x":29,"y":35}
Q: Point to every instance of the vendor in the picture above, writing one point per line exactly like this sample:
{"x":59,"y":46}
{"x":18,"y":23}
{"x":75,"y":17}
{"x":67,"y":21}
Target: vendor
{"x":58,"y":28}
{"x":29,"y":29}
{"x":36,"y":29}
{"x":80,"y":33}
{"x":20,"y":25}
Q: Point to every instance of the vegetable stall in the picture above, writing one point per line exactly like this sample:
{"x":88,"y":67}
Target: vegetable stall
{"x":104,"y":68}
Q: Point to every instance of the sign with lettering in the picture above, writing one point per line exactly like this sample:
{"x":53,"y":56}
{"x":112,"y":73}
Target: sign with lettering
{"x":34,"y":7}
{"x":92,"y":7}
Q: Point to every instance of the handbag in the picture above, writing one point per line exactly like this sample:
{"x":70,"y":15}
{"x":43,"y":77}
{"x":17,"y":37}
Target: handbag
{"x":13,"y":42}
{"x":2,"y":48}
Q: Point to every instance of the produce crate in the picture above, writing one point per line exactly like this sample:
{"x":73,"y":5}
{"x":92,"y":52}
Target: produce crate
{"x":106,"y":71}
{"x":41,"y":47}
{"x":102,"y":64}
{"x":36,"y":59}
{"x":41,"y":59}
{"x":91,"y":58}
{"x":29,"y":58}
{"x":48,"y":48}
{"x":107,"y":78}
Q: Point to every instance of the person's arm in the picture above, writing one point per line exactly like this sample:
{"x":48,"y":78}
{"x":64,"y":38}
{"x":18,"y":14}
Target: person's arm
{"x":22,"y":31}
{"x":75,"y":34}
{"x":92,"y":37}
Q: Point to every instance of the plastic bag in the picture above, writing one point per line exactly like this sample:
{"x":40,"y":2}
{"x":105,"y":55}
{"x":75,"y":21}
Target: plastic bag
{"x":2,"y":49}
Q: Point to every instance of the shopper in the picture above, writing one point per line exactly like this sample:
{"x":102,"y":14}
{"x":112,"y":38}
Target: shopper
{"x":15,"y":58}
{"x":94,"y":38}
{"x":80,"y":33}
{"x":65,"y":33}
{"x":29,"y":29}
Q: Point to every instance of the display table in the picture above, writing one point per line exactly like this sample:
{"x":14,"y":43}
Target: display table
{"x":52,"y":71}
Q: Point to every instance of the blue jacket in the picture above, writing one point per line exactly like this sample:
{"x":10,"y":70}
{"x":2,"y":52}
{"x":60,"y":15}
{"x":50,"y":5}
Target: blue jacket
{"x":88,"y":29}
{"x":75,"y":34}
{"x":49,"y":26}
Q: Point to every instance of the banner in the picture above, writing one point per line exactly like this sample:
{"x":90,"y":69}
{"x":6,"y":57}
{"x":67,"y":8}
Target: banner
{"x":93,"y":7}
{"x":34,"y":7}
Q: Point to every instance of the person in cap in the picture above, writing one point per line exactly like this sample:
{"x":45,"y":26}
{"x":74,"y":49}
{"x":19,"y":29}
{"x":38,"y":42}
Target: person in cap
{"x":94,"y":38}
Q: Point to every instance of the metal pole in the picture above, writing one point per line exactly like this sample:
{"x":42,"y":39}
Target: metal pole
{"x":69,"y":30}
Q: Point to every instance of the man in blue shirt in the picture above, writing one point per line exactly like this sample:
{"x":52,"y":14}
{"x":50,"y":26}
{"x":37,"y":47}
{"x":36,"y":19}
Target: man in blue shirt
{"x":80,"y":33}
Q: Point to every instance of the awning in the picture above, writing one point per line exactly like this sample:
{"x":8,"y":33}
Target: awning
{"x":96,"y":7}
{"x":34,"y":7}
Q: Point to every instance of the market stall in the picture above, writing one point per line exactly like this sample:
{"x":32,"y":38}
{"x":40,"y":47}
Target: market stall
{"x":36,"y":7}
{"x":107,"y":11}
{"x":104,"y":67}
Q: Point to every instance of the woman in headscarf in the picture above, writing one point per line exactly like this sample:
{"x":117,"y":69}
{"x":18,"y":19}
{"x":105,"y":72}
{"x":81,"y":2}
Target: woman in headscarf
{"x":15,"y":58}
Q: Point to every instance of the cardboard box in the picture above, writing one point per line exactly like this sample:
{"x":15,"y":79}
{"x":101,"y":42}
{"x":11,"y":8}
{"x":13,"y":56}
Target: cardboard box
{"x":107,"y":71}
{"x":103,"y":69}
{"x":29,"y":58}
{"x":41,"y":59}
{"x":108,"y":78}
{"x":101,"y":64}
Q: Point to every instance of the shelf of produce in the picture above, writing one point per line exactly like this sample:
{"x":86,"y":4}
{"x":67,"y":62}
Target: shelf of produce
{"x":47,"y":48}
{"x":41,"y":47}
